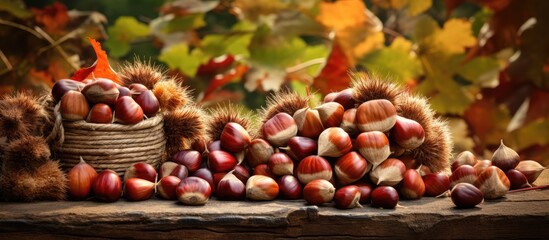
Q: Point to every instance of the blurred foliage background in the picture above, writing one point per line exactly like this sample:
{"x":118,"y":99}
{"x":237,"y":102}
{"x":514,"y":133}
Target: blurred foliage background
{"x":484,"y":64}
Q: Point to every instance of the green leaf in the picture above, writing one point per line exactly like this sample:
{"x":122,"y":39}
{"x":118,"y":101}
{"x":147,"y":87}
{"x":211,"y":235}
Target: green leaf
{"x":532,"y":134}
{"x":267,"y":49}
{"x":396,"y":62}
{"x":416,"y":7}
{"x":315,"y":52}
{"x":216,"y":45}
{"x":479,"y":19}
{"x":482,"y":71}
{"x":125,"y":30}
{"x":15,"y":7}
{"x":425,"y":26}
{"x":178,"y":57}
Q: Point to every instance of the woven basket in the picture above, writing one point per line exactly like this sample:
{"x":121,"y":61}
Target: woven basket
{"x":109,"y":146}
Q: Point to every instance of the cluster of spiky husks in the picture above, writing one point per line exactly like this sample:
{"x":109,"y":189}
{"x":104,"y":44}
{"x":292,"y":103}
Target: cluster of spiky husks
{"x":141,"y":72}
{"x":436,"y":150}
{"x":223,"y":114}
{"x":21,"y":114}
{"x":183,"y":126}
{"x":171,"y":94}
{"x":27,"y":173}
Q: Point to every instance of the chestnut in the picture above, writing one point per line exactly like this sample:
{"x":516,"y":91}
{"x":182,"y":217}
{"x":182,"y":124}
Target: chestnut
{"x":466,"y":195}
{"x":313,"y":167}
{"x":166,"y":187}
{"x":137,"y":189}
{"x":193,"y":191}
{"x":141,"y":170}
{"x":259,"y":187}
{"x":107,"y":186}
{"x":290,"y":188}
{"x":80,"y":179}
{"x":189,"y":158}
{"x":384,"y":197}
{"x":347,"y":197}
{"x":221,"y":161}
{"x":318,"y":191}
{"x":230,"y":188}
{"x":234,"y":137}
{"x":436,"y":184}
{"x":280,"y":164}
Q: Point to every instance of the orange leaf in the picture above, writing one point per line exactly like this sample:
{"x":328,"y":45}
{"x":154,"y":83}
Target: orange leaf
{"x":342,"y":14}
{"x":334,"y":76}
{"x":220,"y":80}
{"x":54,"y":17}
{"x":100,"y":68}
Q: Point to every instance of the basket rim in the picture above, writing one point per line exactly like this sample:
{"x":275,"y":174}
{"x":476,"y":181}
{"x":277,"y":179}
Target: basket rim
{"x":146,"y":123}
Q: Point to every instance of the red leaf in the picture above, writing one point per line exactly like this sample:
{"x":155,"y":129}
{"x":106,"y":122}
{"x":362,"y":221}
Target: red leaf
{"x":538,"y":107}
{"x":54,"y":18}
{"x":335,"y":74}
{"x":221,"y":79}
{"x":100,"y":68}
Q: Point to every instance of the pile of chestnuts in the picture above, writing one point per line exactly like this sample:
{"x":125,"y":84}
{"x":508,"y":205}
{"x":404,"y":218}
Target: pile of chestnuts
{"x":103,"y":101}
{"x":474,"y":180}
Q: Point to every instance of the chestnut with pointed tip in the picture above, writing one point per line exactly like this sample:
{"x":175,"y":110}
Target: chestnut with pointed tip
{"x":290,"y":188}
{"x":389,"y":173}
{"x":331,"y":114}
{"x":259,"y":152}
{"x":193,"y":191}
{"x":261,"y":188}
{"x":137,"y":189}
{"x":505,"y":158}
{"x":493,"y":183}
{"x":373,"y":146}
{"x":407,"y":133}
{"x":350,"y":168}
{"x":80,"y":179}
{"x":166,"y":187}
{"x":308,"y":123}
{"x":376,"y":115}
{"x":334,"y":142}
{"x":234,"y":137}
{"x":347,"y":197}
{"x":330,"y":97}
{"x":384,"y":197}
{"x":279,"y":129}
{"x":313,"y":167}
{"x":318,"y":192}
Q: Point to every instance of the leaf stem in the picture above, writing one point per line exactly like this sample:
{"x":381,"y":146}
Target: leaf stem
{"x":306,"y":64}
{"x":6,"y":62}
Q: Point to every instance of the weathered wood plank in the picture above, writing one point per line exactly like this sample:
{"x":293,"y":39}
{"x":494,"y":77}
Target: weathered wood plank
{"x":519,"y":215}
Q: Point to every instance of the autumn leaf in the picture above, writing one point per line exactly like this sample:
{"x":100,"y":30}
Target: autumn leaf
{"x":125,"y":30}
{"x":335,"y":74}
{"x":414,"y":7}
{"x":275,"y":51}
{"x":341,"y":14}
{"x":453,"y":38}
{"x":487,"y":120}
{"x":220,"y":80}
{"x":54,"y":18}
{"x":100,"y":68}
{"x":264,"y":78}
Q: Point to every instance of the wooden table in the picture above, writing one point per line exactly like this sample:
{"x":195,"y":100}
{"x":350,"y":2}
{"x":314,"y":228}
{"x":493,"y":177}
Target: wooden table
{"x":519,"y":215}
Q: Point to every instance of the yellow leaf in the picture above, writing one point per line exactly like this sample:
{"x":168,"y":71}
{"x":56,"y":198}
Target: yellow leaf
{"x":454,"y":37}
{"x":342,"y":14}
{"x":402,"y":44}
{"x":372,"y":42}
{"x":358,"y":41}
{"x":417,"y":7}
{"x":254,"y":9}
